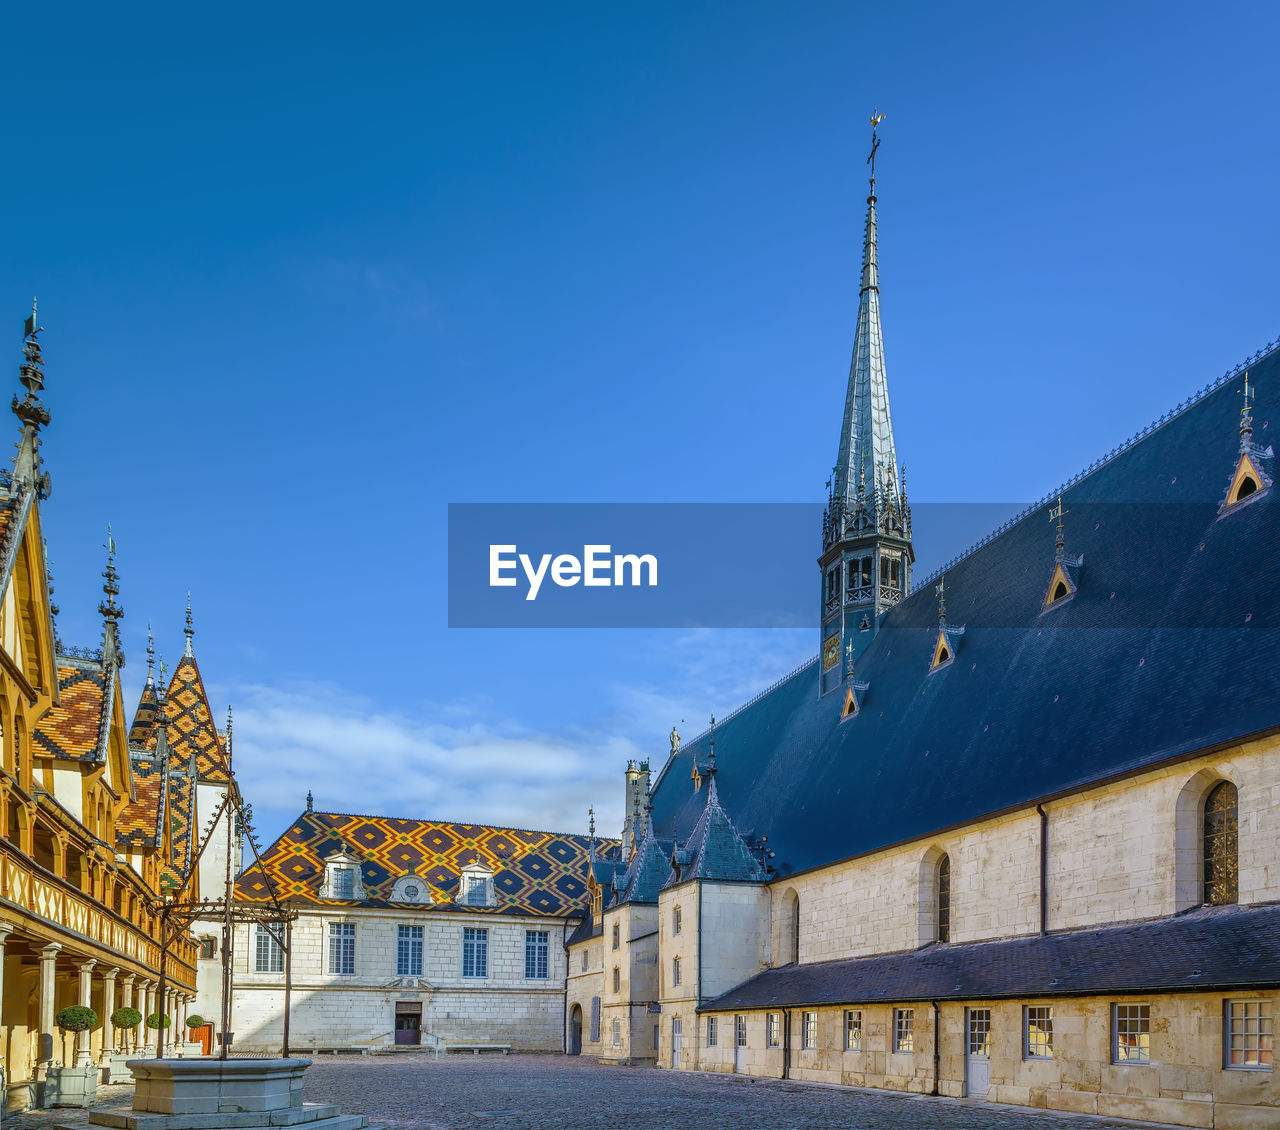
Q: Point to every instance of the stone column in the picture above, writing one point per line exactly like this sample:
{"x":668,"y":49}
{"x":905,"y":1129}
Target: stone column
{"x":48,"y":991}
{"x":108,"y":1007}
{"x":5,"y":931}
{"x":183,"y":1005}
{"x":83,"y":1056}
{"x":126,"y":1001}
{"x":148,"y":1007}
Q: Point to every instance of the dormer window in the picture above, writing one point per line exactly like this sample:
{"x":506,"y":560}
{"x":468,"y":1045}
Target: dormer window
{"x":411,"y":889}
{"x":342,"y":880}
{"x":1251,"y":478}
{"x":476,"y":886}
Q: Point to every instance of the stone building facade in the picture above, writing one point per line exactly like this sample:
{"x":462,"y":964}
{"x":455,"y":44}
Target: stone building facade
{"x":1015,"y":834}
{"x":412,"y":932}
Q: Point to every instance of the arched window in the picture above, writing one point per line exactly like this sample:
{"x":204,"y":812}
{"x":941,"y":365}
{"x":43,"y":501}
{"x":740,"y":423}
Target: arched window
{"x":944,"y":899}
{"x":789,"y":929}
{"x":1221,"y":870}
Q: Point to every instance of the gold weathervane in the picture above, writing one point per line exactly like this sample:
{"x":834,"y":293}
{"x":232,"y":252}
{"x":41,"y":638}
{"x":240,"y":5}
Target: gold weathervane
{"x":876,"y":119}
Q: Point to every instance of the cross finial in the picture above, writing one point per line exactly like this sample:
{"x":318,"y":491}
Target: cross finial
{"x":711,"y":755}
{"x":108,"y":609}
{"x":310,"y":802}
{"x":591,"y":821}
{"x":151,"y":655}
{"x":940,"y":590}
{"x":1246,"y":413}
{"x":876,"y":119}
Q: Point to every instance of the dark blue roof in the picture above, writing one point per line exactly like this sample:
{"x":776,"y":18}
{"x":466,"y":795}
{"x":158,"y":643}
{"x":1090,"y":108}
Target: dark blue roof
{"x":1170,"y":646}
{"x":715,"y":851}
{"x":1214,"y":948}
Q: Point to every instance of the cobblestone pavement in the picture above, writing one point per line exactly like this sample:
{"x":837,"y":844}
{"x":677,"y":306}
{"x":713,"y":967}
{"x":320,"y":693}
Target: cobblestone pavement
{"x":415,"y":1092}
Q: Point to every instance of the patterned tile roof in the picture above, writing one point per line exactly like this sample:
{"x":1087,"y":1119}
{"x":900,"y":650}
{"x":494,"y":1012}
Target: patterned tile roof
{"x":71,"y":729}
{"x":191,"y":728}
{"x":540,"y":873}
{"x":179,"y":809}
{"x":138,"y":825}
{"x":144,"y":718}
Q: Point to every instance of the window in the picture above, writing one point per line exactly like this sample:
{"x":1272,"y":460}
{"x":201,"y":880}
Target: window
{"x":808,"y":1029}
{"x":904,"y":1020}
{"x":655,"y":1037}
{"x":537,"y":947}
{"x":675,"y":971}
{"x":477,"y":890}
{"x":475,"y":952}
{"x":617,"y":979}
{"x":409,"y":951}
{"x":712,"y":1034}
{"x":344,"y":883}
{"x":859,"y":576}
{"x":208,"y":948}
{"x":740,"y":1031}
{"x":833,"y":583}
{"x":979,"y":1031}
{"x":617,"y":935}
{"x":944,"y":899}
{"x":595,"y":1020}
{"x":268,"y":956}
{"x":342,"y":948}
{"x":1130,"y":1033}
{"x":1037,"y":1024}
{"x":617,"y":1033}
{"x":585,"y":955}
{"x":853,"y":1029}
{"x":772,"y":1030}
{"x":1248,"y":1035}
{"x":675,"y":921}
{"x":890,"y":572}
{"x":1221,"y":876}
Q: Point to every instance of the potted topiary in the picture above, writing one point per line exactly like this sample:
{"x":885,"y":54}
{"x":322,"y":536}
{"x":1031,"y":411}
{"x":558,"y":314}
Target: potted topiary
{"x":126,"y":1020}
{"x":73,"y":1086}
{"x":157,"y":1020}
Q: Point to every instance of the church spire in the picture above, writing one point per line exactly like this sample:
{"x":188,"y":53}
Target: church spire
{"x":866,"y":435}
{"x":866,"y":529}
{"x":189,"y":651}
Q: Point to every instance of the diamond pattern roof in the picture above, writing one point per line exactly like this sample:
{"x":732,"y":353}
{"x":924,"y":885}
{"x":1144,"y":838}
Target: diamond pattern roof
{"x":191,"y":728}
{"x":542,"y":873}
{"x":71,"y":729}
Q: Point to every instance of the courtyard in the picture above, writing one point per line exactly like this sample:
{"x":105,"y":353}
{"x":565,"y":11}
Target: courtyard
{"x":417,"y":1092}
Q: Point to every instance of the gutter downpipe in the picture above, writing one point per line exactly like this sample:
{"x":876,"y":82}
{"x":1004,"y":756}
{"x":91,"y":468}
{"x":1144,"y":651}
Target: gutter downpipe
{"x":564,"y":1023}
{"x":702,"y":994}
{"x":937,"y":1051}
{"x":1044,"y":869}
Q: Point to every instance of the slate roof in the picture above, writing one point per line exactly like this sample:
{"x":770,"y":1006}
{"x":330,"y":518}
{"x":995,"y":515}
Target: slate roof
{"x":72,"y":729}
{"x":541,"y":873}
{"x":179,"y":811}
{"x":1229,"y":947}
{"x":715,"y":850}
{"x":648,"y":872}
{"x":191,"y":727}
{"x":1170,"y":646}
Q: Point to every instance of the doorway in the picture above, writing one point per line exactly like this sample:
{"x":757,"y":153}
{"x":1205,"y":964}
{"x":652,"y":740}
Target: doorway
{"x":575,"y":1030}
{"x":408,"y":1022}
{"x":677,"y":1026}
{"x":739,"y":1044}
{"x":977,"y":1075}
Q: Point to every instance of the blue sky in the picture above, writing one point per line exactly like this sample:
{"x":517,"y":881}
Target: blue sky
{"x":312,"y":272}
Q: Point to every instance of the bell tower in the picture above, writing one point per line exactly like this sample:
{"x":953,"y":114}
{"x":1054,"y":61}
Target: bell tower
{"x":867,"y":555}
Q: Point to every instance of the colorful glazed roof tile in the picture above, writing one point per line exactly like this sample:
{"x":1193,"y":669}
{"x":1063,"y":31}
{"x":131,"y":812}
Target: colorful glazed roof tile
{"x":139,"y":825}
{"x":178,"y":810}
{"x":71,"y":730}
{"x":541,"y":873}
{"x":191,"y":728}
{"x":144,"y":718}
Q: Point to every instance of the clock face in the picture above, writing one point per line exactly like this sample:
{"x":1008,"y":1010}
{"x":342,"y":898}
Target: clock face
{"x":411,"y":891}
{"x":830,"y":652}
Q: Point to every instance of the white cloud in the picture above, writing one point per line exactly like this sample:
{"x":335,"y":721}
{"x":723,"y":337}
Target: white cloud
{"x":465,"y":762}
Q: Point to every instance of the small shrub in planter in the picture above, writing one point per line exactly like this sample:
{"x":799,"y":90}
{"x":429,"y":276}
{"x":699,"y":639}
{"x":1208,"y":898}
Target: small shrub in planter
{"x":126,"y":1017}
{"x":76,"y":1018}
{"x":157,"y":1020}
{"x":196,"y":1021}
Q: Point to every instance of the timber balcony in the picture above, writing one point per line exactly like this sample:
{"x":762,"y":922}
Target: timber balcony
{"x":53,"y":908}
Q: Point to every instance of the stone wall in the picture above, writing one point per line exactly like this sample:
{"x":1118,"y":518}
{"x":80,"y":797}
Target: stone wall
{"x":1185,"y":1083}
{"x":358,"y":1010}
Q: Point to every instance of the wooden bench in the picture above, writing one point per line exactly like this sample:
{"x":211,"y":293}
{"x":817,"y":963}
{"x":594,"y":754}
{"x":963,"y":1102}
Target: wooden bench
{"x":476,"y":1049}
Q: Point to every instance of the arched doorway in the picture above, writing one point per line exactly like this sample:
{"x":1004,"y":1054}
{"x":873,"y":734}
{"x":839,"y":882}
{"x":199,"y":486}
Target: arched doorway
{"x":575,"y":1030}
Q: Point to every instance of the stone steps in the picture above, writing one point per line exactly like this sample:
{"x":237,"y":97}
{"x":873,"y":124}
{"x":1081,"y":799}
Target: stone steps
{"x":310,"y":1116}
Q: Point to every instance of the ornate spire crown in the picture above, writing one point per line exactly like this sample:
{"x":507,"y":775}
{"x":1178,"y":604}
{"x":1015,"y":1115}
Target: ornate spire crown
{"x":188,"y":651}
{"x":32,"y":414}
